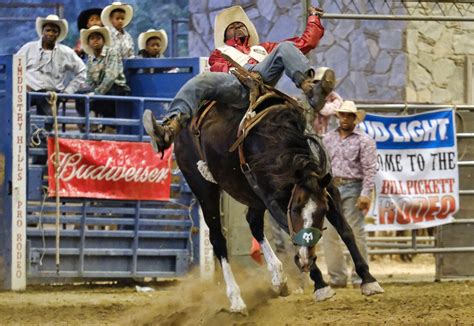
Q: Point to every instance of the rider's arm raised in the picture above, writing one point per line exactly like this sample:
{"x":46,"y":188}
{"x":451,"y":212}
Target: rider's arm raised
{"x":309,"y":40}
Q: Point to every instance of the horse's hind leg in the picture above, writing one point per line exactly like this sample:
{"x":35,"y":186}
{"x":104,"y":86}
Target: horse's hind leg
{"x":322,"y":291}
{"x":274,"y":265}
{"x":336,"y":218}
{"x":208,"y":195}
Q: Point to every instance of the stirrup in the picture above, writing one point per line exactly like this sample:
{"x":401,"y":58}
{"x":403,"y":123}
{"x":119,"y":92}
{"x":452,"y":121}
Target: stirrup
{"x":162,"y":136}
{"x":317,"y":90}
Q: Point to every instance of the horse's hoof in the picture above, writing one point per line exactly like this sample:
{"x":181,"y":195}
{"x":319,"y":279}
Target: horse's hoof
{"x":371,"y":288}
{"x":240,"y":310}
{"x":283,"y":290}
{"x":238,"y":306}
{"x":324,"y":293}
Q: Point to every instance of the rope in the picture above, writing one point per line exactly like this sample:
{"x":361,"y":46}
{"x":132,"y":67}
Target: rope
{"x":53,"y":102}
{"x":35,"y":140}
{"x":41,"y":226}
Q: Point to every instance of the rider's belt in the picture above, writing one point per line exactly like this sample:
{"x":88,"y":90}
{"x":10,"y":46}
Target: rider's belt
{"x":344,"y":181}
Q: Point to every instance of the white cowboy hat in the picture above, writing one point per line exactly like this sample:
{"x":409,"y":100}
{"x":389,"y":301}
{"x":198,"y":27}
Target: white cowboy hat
{"x":229,"y":16}
{"x":52,"y":19}
{"x":160,"y":33}
{"x":350,"y":107}
{"x":105,"y":15}
{"x":85,"y":33}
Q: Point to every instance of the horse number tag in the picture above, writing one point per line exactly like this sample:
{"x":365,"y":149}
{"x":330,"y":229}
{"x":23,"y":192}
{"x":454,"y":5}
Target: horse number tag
{"x":307,"y":237}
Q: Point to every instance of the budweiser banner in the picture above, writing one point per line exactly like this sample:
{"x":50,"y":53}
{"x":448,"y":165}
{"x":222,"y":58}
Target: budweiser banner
{"x":417,"y":184}
{"x":109,"y":170}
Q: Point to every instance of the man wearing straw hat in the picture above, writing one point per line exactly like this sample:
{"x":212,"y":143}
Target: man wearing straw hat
{"x":353,"y":160}
{"x":49,"y":62}
{"x":236,"y":36}
{"x":51,"y":66}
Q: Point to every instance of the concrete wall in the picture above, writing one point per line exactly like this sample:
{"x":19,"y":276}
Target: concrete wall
{"x":437,"y":56}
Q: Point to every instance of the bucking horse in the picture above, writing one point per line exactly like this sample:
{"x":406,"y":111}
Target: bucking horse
{"x":264,"y":159}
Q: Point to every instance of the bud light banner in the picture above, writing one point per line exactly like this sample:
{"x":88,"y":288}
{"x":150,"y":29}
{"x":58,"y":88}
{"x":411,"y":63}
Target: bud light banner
{"x":417,"y":183}
{"x":109,"y":170}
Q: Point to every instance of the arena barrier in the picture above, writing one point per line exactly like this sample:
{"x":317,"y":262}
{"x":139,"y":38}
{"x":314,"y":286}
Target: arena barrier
{"x":99,"y":239}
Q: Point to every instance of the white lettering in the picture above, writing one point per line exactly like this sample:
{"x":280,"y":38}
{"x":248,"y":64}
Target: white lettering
{"x":413,"y":131}
{"x":72,"y":167}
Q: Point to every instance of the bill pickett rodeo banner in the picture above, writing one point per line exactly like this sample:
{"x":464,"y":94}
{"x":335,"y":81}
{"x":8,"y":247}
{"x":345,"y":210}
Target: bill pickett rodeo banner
{"x":110,"y":170}
{"x":417,"y":181}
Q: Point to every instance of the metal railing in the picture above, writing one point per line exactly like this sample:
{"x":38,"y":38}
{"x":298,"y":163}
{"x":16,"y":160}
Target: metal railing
{"x":150,"y":239}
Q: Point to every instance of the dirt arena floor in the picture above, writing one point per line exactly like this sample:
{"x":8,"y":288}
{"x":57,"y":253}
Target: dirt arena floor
{"x":412,"y":297}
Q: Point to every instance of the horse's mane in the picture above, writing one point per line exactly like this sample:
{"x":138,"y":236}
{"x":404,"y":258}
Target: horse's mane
{"x":286,"y":159}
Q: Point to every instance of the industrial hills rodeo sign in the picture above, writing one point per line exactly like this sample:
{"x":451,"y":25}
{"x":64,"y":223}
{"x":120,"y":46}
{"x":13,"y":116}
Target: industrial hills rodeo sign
{"x":417,"y":183}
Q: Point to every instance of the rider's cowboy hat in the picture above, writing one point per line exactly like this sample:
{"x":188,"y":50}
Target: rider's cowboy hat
{"x":85,"y":33}
{"x":229,"y":16}
{"x":160,"y":33}
{"x":55,"y":20}
{"x":85,"y":15}
{"x":105,"y":16}
{"x":350,"y":107}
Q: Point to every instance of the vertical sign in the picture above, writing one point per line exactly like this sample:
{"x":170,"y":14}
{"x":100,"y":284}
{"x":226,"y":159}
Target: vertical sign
{"x":206,"y":253}
{"x":19,"y":160}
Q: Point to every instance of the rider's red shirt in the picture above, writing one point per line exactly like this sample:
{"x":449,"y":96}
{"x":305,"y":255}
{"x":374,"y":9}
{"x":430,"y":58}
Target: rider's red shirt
{"x":309,"y":40}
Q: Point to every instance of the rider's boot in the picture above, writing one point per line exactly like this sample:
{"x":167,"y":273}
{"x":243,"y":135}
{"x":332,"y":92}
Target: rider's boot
{"x":317,"y":88}
{"x":162,"y":135}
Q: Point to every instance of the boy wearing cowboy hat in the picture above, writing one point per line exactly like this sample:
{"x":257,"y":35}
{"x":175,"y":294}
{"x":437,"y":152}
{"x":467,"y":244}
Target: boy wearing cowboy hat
{"x":353,"y":160}
{"x":87,"y":18}
{"x":152,"y":43}
{"x":104,"y":70}
{"x":236,"y":36}
{"x":116,"y":17}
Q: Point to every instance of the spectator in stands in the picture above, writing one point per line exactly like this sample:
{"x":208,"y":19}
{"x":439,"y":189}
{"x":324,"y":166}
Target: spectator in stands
{"x":105,"y":74}
{"x":50,"y":65}
{"x":116,"y":17}
{"x":353,"y":160}
{"x":87,"y":18}
{"x":152,"y":43}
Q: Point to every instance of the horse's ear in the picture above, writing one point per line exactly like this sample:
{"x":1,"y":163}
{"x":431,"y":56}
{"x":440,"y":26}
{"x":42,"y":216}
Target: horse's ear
{"x":324,"y":181}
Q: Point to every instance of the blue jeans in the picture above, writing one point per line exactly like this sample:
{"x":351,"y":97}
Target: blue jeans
{"x":332,"y":244}
{"x":226,"y":88}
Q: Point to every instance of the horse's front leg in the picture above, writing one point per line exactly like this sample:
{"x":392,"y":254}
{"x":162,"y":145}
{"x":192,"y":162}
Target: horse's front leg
{"x":335,"y":216}
{"x":322,"y":290}
{"x":274,"y":265}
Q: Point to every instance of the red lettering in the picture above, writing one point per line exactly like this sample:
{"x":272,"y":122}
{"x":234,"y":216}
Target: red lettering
{"x":386,"y":212}
{"x":385,"y":187}
{"x":433,"y":208}
{"x":403,"y":214}
{"x":448,"y":206}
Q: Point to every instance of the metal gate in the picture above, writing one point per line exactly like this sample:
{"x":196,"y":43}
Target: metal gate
{"x":99,"y":239}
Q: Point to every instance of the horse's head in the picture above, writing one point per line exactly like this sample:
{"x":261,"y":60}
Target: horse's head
{"x":306,"y":212}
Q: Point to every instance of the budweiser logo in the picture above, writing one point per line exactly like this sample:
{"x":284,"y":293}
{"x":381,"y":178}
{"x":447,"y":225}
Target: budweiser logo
{"x":71,"y":166}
